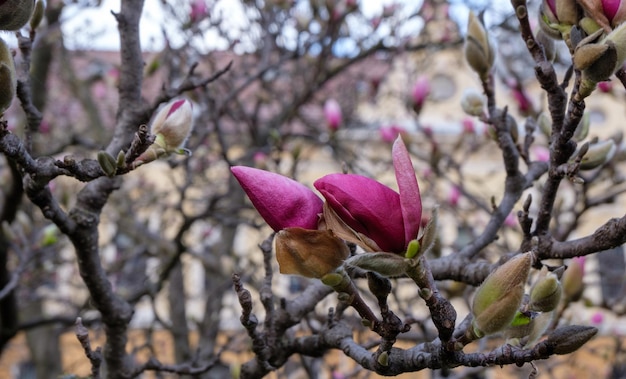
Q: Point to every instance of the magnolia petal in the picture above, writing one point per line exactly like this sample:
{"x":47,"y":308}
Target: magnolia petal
{"x":366,"y":206}
{"x":282,"y":202}
{"x":309,"y":253}
{"x":410,"y":199}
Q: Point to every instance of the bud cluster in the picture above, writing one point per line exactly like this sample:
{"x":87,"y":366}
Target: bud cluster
{"x":595,"y":33}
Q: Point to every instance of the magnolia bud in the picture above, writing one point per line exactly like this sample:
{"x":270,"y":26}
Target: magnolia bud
{"x":498,"y":298}
{"x":171,"y":126}
{"x":309,"y":253}
{"x":332,"y":114}
{"x":570,"y":338}
{"x":549,"y":47}
{"x":8,"y":79}
{"x":572,"y":279}
{"x":556,"y":17}
{"x":420,"y":92}
{"x":479,"y":50}
{"x":15,"y":13}
{"x":35,"y":20}
{"x":545,"y":294}
{"x":582,"y":130}
{"x":545,"y":124}
{"x":598,"y":154}
{"x":473,"y":102}
{"x":108,"y":164}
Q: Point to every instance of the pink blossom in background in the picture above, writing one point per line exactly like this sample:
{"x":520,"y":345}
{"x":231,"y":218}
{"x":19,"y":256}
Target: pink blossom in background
{"x":540,"y":153}
{"x":468,"y":125}
{"x":580,"y":262}
{"x":198,"y":10}
{"x":511,"y":220}
{"x":44,"y":127}
{"x":523,"y":102}
{"x":605,"y":87}
{"x":597,"y":318}
{"x":454,"y":195}
{"x":260,"y":159}
{"x":420,"y":91}
{"x":390,"y":133}
{"x":332,"y":114}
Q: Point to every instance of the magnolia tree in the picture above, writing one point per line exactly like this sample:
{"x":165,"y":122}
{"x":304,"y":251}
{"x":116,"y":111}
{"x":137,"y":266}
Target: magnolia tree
{"x":373,"y":258}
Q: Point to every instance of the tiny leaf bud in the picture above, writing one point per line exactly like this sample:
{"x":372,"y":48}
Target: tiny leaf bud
{"x":385,"y":264}
{"x":108,"y":164}
{"x":598,"y":154}
{"x":572,"y":279}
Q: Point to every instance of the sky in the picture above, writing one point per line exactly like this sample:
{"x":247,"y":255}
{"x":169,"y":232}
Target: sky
{"x":95,"y":28}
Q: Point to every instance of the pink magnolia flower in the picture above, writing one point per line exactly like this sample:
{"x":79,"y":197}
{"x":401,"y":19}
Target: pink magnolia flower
{"x":198,"y":10}
{"x":390,"y":133}
{"x":332,"y":114}
{"x":282,"y":202}
{"x":605,"y":86}
{"x":597,"y":318}
{"x":454,"y":195}
{"x":389,"y":218}
{"x":419,"y":93}
{"x":173,"y":123}
{"x":468,"y":125}
{"x":614,"y":10}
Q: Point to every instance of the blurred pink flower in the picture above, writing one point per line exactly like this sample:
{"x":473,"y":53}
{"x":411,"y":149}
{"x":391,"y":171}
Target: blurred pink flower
{"x":332,"y":114}
{"x":281,"y":201}
{"x":605,"y":87}
{"x":468,"y":125}
{"x":390,"y":133}
{"x":390,"y":219}
{"x":597,"y":318}
{"x":198,"y":10}
{"x":540,"y":153}
{"x":511,"y":220}
{"x":454,"y":195}
{"x":419,"y":92}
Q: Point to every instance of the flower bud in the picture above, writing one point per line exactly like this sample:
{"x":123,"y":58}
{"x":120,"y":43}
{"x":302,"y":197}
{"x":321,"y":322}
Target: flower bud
{"x":598,"y":154}
{"x":108,"y":164}
{"x":572,"y":279}
{"x":171,"y":126}
{"x":568,"y":339}
{"x":545,"y":294}
{"x":332,"y":114}
{"x":35,"y":20}
{"x":281,"y":201}
{"x":198,"y":11}
{"x":419,"y":93}
{"x":309,"y":253}
{"x":556,"y":17}
{"x":479,"y":50}
{"x":499,"y":297}
{"x":473,"y":102}
{"x":582,"y":130}
{"x":549,"y":46}
{"x":8,"y":79}
{"x":545,"y":124}
{"x":15,"y":13}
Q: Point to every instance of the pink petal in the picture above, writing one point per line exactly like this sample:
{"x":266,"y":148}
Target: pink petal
{"x":410,"y":199}
{"x":332,"y":113}
{"x":174,"y":107}
{"x":610,"y":8}
{"x":420,"y":91}
{"x":367,"y":206}
{"x":282,"y":202}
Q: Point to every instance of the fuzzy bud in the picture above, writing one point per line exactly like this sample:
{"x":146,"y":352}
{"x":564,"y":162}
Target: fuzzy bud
{"x":8,"y":79}
{"x":598,"y":154}
{"x":545,"y":294}
{"x":567,"y":339}
{"x":108,"y":164}
{"x":499,"y":297}
{"x":15,"y":13}
{"x":572,"y":279}
{"x":479,"y":50}
{"x":309,"y":253}
{"x":473,"y":102}
{"x":35,"y":20}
